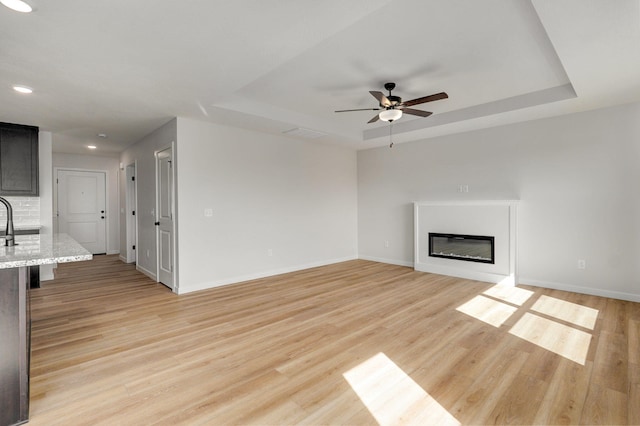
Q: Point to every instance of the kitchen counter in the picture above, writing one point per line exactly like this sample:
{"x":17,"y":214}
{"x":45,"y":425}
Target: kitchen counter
{"x":15,"y":315}
{"x":33,"y":250}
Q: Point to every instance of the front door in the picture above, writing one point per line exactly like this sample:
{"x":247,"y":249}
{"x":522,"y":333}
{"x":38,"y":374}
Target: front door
{"x":164,"y":209}
{"x":82,"y":208}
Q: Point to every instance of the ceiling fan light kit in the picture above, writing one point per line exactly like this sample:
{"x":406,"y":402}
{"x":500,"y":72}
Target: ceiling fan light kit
{"x":390,"y":114}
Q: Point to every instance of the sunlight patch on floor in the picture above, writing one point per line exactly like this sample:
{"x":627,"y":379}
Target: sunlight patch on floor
{"x":487,"y":310}
{"x":392,"y":397}
{"x":510,"y":294}
{"x":554,"y":336}
{"x":582,"y":316}
{"x":563,"y":340}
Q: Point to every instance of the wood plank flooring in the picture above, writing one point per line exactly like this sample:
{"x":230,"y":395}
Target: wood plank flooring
{"x":352,"y":343}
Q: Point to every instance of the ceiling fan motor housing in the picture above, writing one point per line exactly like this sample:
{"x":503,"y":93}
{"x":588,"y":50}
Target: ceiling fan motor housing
{"x":394,"y":100}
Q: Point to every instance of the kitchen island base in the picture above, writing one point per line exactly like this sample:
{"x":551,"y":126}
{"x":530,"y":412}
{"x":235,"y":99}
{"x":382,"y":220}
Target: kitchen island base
{"x":14,"y":345}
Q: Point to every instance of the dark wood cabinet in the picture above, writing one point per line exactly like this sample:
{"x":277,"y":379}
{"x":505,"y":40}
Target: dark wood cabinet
{"x":18,"y":160}
{"x":15,"y":346}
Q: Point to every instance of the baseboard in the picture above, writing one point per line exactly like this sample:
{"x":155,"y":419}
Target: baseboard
{"x":46,"y":273}
{"x":579,"y":289}
{"x":389,"y":261}
{"x":631,"y":297}
{"x":249,"y":277}
{"x":467,"y":274}
{"x":113,"y":251}
{"x":146,"y":272}
{"x":122,"y":259}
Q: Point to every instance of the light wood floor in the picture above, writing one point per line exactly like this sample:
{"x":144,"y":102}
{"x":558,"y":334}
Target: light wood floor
{"x":352,"y":343}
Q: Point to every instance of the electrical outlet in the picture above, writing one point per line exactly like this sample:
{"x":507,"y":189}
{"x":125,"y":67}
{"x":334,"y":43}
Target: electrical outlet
{"x":386,"y":244}
{"x":582,"y":264}
{"x":270,"y":252}
{"x":208,"y":212}
{"x":148,"y":253}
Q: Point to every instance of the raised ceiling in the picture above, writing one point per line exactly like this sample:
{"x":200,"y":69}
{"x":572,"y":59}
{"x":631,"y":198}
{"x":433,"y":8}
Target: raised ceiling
{"x":125,"y":67}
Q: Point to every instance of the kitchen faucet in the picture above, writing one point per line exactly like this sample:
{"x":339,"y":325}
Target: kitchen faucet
{"x":9,"y":239}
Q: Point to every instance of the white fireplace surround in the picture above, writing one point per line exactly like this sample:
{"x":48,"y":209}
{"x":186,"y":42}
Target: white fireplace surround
{"x":495,"y":218}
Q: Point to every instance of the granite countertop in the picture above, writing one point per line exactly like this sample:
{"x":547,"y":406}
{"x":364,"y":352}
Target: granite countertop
{"x":33,"y":250}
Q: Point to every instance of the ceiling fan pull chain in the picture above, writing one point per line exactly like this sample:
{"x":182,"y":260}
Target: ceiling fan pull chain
{"x":390,"y":134}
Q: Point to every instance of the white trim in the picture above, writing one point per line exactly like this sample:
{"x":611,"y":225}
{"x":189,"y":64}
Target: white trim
{"x":243,"y":278}
{"x":174,"y":254}
{"x":579,"y":289}
{"x":46,"y":274}
{"x":122,"y":259}
{"x":146,"y":272}
{"x":388,"y":261}
{"x":113,"y":252}
{"x":469,"y":203}
{"x":469,"y":275}
{"x":131,"y":204}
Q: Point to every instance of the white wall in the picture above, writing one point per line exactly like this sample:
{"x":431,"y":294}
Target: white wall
{"x":142,"y":154}
{"x":576,"y":177}
{"x":268,"y":192}
{"x":110,"y":166}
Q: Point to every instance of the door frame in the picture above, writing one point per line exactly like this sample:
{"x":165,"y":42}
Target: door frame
{"x":131,"y":204}
{"x":56,"y":213}
{"x":174,"y":245}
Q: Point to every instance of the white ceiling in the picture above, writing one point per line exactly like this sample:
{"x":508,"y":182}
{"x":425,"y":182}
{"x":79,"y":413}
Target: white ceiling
{"x":125,"y":67}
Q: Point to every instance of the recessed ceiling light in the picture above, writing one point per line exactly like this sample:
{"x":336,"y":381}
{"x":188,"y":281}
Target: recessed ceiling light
{"x":102,"y":135}
{"x":91,"y":146}
{"x":22,"y":89}
{"x":17,"y":5}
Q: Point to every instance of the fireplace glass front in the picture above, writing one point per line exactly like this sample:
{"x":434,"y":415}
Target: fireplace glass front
{"x":472,"y":248}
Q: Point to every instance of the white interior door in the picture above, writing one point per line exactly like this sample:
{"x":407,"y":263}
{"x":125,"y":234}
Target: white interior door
{"x":164,"y":212}
{"x":132,"y":222}
{"x":82,"y":208}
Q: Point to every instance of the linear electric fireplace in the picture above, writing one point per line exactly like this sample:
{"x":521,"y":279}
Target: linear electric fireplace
{"x":471,"y":248}
{"x":449,"y":239}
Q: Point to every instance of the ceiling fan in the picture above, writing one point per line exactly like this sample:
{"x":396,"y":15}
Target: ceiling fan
{"x":391,"y":107}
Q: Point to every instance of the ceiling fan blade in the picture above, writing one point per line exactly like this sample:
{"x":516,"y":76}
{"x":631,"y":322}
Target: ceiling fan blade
{"x":382,"y":99}
{"x":374,"y":119}
{"x":362,"y":109}
{"x":430,"y":98}
{"x":416,"y":112}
